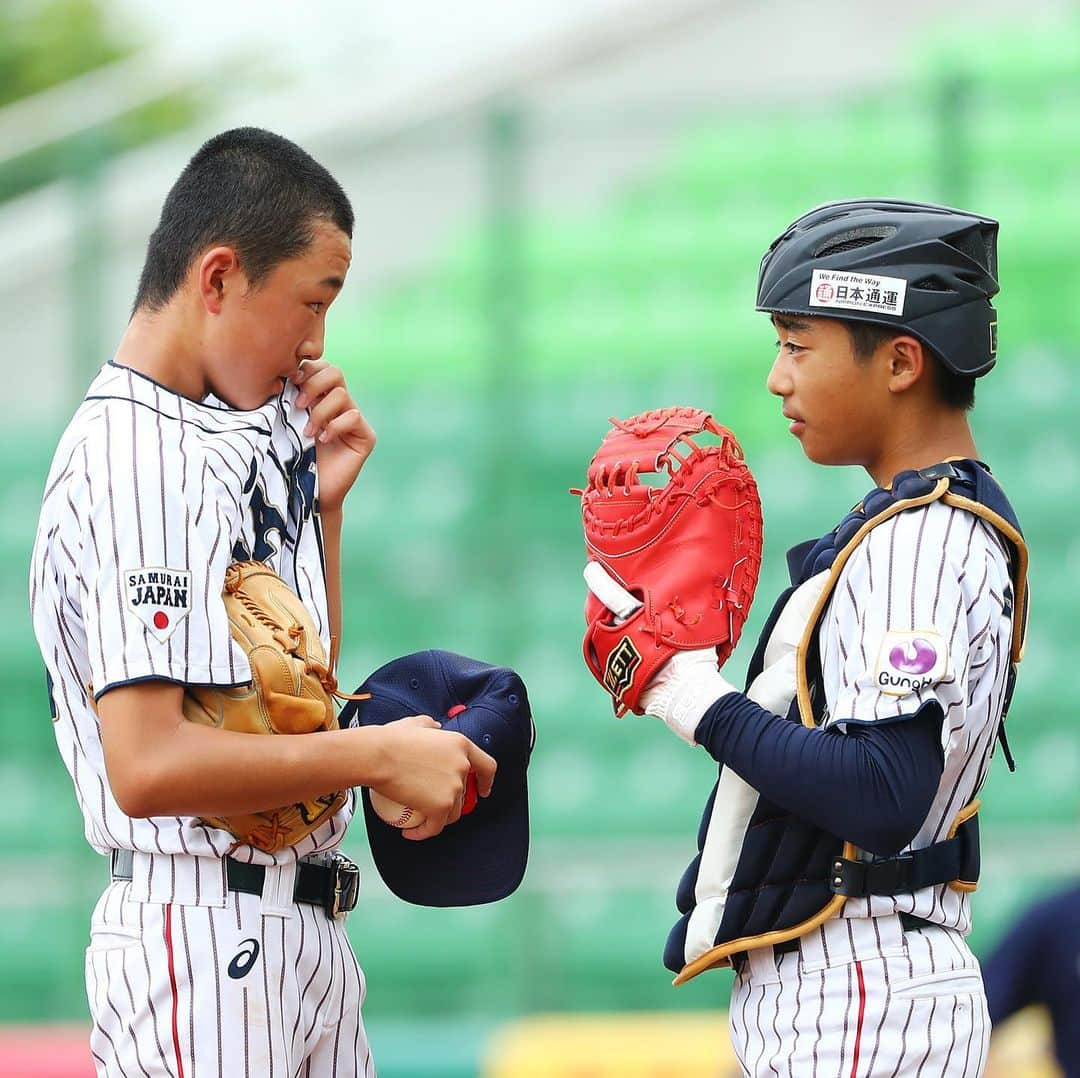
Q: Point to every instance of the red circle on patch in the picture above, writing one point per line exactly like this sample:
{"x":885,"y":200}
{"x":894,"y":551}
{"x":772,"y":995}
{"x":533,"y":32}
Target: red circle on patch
{"x":824,"y":292}
{"x":161,"y":620}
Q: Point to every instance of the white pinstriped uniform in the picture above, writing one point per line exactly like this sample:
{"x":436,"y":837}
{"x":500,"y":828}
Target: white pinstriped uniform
{"x":861,"y":997}
{"x":150,"y":488}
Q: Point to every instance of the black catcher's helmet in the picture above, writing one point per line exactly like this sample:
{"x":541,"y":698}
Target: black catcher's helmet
{"x":927,"y":270}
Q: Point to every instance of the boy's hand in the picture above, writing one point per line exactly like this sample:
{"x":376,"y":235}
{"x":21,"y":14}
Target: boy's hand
{"x":343,"y":437}
{"x":428,"y":769}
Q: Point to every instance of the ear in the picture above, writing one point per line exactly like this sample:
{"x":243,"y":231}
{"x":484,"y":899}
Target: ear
{"x":907,"y":363}
{"x":218,"y":271}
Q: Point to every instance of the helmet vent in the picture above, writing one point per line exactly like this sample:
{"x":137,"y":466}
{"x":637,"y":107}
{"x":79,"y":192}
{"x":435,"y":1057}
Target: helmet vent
{"x":976,"y":245}
{"x":853,"y":239}
{"x":931,"y":284}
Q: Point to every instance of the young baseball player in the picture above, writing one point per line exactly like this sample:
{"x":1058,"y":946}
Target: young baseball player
{"x":218,"y":434}
{"x":838,"y":851}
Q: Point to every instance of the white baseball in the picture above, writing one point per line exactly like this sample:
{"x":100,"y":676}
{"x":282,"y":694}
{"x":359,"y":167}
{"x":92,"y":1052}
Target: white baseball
{"x":395,"y":814}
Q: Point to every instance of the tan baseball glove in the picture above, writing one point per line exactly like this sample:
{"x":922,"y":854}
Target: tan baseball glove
{"x":291,"y":692}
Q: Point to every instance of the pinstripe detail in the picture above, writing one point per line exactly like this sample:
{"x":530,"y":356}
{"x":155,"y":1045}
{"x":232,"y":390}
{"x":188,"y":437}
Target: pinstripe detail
{"x":321,"y":1003}
{"x":929,"y":1038}
{"x":131,"y":1031}
{"x":297,"y":1040}
{"x":134,"y":469}
{"x":215,"y":965}
{"x":192,"y":1043}
{"x":335,"y":1050}
{"x":185,"y":499}
{"x":757,"y":1020}
{"x":149,"y":980}
{"x":983,"y":1035}
{"x":817,"y":1020}
{"x":246,"y":1026}
{"x":737,"y":1018}
{"x":361,"y":1051}
{"x":172,"y":984}
{"x":796,"y":1027}
{"x":116,"y":554}
{"x":774,"y":1014}
{"x":268,"y":1003}
{"x":883,"y":1000}
{"x":859,"y":1022}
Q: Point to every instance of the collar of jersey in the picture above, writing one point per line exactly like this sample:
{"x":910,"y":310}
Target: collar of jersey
{"x":117,"y":382}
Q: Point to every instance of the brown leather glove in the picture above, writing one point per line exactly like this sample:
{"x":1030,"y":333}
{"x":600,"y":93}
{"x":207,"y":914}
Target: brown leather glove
{"x":291,"y":692}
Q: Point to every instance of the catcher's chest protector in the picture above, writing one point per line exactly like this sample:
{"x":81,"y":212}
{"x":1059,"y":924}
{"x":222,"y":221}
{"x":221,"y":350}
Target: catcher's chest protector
{"x":783,"y":871}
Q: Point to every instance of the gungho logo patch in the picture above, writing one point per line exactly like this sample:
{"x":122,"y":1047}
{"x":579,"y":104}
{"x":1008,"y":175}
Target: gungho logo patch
{"x":621,"y":664}
{"x":159,"y":597}
{"x":910,"y":661}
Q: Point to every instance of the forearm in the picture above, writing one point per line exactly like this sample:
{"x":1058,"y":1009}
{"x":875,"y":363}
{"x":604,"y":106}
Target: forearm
{"x":872,"y":786}
{"x":183,"y":768}
{"x":331,"y":530}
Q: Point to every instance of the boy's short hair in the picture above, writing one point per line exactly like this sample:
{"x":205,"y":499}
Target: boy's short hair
{"x":954,"y":390}
{"x":246,"y":188}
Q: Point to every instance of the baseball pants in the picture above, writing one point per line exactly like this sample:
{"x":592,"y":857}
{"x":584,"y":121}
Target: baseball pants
{"x":859,"y":999}
{"x":189,"y":991}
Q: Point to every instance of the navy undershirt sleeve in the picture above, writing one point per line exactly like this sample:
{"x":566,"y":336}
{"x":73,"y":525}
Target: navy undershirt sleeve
{"x":872,"y":786}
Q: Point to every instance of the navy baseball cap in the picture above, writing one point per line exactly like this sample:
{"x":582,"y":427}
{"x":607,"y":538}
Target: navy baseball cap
{"x":482,"y":857}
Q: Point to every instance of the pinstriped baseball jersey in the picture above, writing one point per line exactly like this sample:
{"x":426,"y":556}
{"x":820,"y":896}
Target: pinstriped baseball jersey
{"x":923,"y":610}
{"x":149,"y":498}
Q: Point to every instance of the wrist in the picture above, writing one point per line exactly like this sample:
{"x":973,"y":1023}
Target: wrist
{"x":683,"y":691}
{"x":375,"y":758}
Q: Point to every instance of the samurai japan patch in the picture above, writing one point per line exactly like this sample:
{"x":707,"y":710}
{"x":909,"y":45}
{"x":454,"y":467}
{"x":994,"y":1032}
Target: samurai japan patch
{"x":160,"y":598}
{"x":910,"y":661}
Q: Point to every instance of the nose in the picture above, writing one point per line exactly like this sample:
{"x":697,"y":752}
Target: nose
{"x":779,"y":379}
{"x":312,"y":345}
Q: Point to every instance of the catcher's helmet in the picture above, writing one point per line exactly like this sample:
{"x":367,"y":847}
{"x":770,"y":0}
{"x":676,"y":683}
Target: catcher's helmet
{"x":929,"y":270}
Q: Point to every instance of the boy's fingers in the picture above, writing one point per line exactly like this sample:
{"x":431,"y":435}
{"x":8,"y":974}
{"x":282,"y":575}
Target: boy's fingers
{"x":428,"y":829}
{"x":484,"y":767}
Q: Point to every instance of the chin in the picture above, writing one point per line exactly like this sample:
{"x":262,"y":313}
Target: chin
{"x":822,"y":454}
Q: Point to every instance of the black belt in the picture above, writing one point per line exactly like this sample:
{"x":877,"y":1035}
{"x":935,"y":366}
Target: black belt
{"x":333,"y":884}
{"x":908,"y":921}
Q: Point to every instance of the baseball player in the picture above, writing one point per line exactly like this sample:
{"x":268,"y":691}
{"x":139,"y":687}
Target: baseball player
{"x":217,"y":434}
{"x":838,"y":851}
{"x":1037,"y":961}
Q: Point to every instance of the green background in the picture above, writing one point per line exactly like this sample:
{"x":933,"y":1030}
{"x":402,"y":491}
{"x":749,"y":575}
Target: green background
{"x":489,"y":377}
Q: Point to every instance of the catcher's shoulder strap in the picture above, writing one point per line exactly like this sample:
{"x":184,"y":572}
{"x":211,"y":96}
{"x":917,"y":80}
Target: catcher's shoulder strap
{"x":964,"y":484}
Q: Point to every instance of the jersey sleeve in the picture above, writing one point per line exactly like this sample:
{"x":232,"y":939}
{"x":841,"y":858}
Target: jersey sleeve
{"x":159,"y":528}
{"x":896,"y":634}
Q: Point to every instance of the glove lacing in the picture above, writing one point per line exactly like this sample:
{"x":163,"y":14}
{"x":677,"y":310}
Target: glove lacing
{"x":293,"y":640}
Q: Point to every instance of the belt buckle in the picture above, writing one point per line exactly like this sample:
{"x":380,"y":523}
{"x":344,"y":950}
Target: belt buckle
{"x":344,"y":886}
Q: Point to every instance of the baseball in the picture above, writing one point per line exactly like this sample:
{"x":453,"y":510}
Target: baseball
{"x":395,"y":814}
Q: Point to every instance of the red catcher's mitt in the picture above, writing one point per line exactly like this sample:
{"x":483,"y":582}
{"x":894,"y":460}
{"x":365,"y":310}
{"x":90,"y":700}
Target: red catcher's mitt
{"x":689,"y":550}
